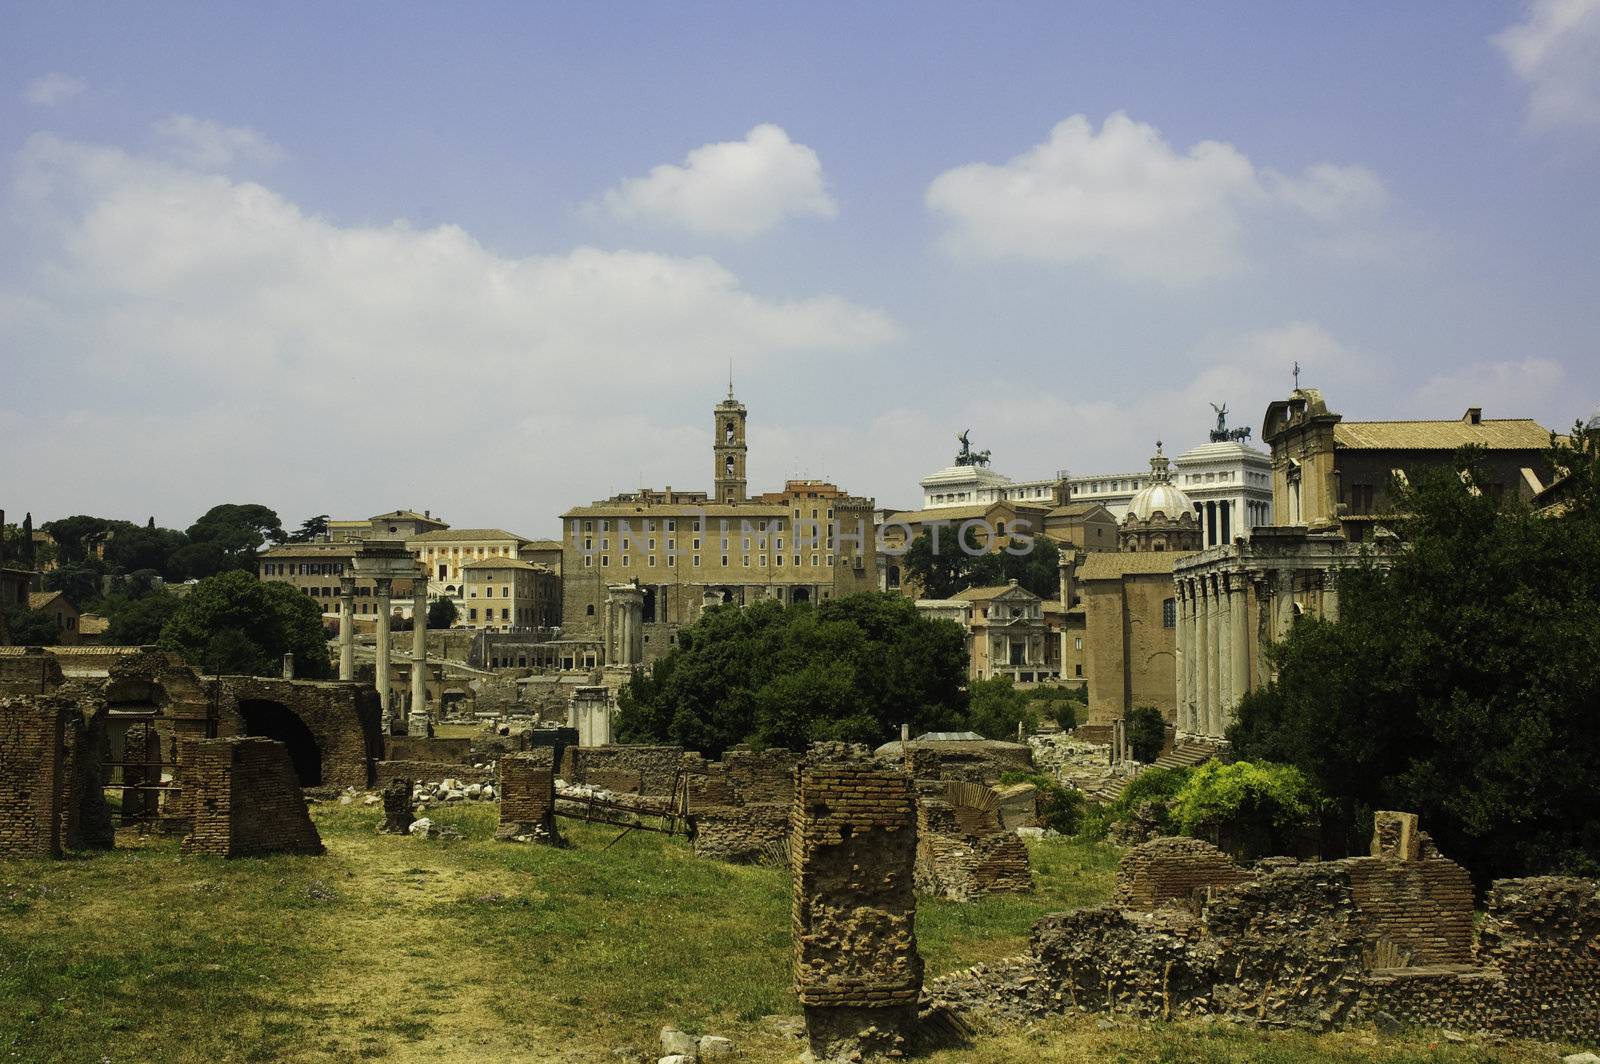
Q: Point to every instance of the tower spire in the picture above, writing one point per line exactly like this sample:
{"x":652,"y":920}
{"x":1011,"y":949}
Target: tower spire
{"x":730,"y":378}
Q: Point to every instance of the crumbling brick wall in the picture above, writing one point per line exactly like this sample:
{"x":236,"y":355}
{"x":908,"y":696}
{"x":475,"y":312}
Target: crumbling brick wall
{"x":642,"y":770}
{"x":852,"y":849}
{"x":739,"y":806}
{"x":963,"y":851}
{"x":1324,"y":943}
{"x":35,"y":780}
{"x":245,"y":799}
{"x":974,"y":762}
{"x":32,"y":671}
{"x":342,"y":717}
{"x":1172,"y":869}
{"x":1536,"y":971}
{"x":528,"y":797}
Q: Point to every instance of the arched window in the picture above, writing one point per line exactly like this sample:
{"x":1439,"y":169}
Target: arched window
{"x":590,"y":609}
{"x":1169,"y":613}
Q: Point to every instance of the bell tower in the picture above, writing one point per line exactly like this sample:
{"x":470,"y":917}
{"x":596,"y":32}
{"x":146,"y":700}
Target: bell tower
{"x":728,"y":446}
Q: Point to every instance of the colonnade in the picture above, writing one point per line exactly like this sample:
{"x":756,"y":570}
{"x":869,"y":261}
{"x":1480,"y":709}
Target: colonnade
{"x":1219,"y":649}
{"x":416,"y":719}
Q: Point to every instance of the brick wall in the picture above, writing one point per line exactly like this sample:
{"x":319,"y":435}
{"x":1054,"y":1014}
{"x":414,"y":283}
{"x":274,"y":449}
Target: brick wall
{"x":528,"y":797}
{"x":34,"y":779}
{"x":973,"y":762}
{"x":419,"y":748}
{"x":386,"y":772}
{"x":245,"y":800}
{"x":963,"y":852}
{"x":1174,"y":869}
{"x":29,"y":673}
{"x":852,"y":847}
{"x":342,"y":717}
{"x":643,"y":770}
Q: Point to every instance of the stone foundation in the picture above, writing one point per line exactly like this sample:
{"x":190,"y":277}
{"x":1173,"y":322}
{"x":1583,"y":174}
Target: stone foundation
{"x":853,"y":846}
{"x":245,"y":800}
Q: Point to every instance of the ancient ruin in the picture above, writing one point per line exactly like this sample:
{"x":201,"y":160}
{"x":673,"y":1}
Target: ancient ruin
{"x":245,"y":800}
{"x":528,"y":797}
{"x":963,"y":849}
{"x":1315,"y":944}
{"x":853,"y":846}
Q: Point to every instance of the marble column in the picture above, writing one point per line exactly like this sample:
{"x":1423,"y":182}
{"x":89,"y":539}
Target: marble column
{"x":1225,"y":681}
{"x":1180,"y":660}
{"x":1283,"y":604}
{"x":1202,"y":658}
{"x":1190,"y":664}
{"x":1214,"y":664}
{"x":347,"y":628}
{"x":1330,"y":596}
{"x":381,"y":677}
{"x":417,"y":719}
{"x":1239,"y":642}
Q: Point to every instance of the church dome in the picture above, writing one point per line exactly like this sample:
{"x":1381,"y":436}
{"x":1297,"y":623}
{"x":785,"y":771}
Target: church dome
{"x":1160,"y":495}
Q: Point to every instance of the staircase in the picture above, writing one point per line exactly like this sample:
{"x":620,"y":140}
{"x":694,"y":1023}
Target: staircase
{"x":1183,"y":755}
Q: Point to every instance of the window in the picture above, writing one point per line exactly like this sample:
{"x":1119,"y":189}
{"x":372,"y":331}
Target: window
{"x":1077,"y":644}
{"x":605,"y":560}
{"x":472,"y":615}
{"x":652,"y":559}
{"x":505,"y":615}
{"x":697,"y":561}
{"x":505,"y":591}
{"x":1169,"y":613}
{"x":589,"y":610}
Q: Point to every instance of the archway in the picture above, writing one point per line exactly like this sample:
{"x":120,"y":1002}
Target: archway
{"x":800,"y":594}
{"x":272,"y":720}
{"x":649,"y":605}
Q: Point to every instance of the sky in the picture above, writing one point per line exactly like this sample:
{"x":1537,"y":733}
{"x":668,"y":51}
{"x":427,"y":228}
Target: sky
{"x":496,"y":261}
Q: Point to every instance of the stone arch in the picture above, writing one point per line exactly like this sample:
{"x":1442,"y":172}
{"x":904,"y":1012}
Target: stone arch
{"x":273,"y":720}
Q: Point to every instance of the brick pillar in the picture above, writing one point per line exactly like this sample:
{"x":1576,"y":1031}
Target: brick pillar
{"x":853,"y":848}
{"x":528,"y":797}
{"x":35,"y":782}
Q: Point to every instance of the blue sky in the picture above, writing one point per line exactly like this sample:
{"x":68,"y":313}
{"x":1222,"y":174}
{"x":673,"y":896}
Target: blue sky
{"x":493,"y":260}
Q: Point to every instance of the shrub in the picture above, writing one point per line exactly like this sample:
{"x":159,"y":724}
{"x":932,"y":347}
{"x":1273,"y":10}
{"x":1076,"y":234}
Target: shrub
{"x":1261,"y":804}
{"x":1059,"y":807}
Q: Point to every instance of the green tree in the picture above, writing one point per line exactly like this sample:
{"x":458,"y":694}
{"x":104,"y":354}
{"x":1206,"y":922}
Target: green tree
{"x":237,"y":531}
{"x":441,"y":613}
{"x":139,"y":621}
{"x":1462,"y":684}
{"x":236,"y":623}
{"x":31,"y":628}
{"x":80,"y":582}
{"x":1260,"y":807}
{"x":1147,"y":732}
{"x":851,"y":669}
{"x":310,"y":530}
{"x":995,"y":708}
{"x":949,"y":569}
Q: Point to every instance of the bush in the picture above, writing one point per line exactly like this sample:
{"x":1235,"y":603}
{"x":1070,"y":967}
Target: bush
{"x":1060,"y":808}
{"x":1155,"y":787}
{"x":995,"y":707}
{"x":1147,"y":732}
{"x":1261,"y":805}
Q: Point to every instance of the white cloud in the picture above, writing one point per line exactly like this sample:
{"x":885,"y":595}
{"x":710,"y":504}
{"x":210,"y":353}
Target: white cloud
{"x":1514,"y":388}
{"x":1556,"y":51}
{"x":208,"y":145}
{"x":1124,"y":199}
{"x":738,"y":189}
{"x":341,"y":368}
{"x":54,"y":89}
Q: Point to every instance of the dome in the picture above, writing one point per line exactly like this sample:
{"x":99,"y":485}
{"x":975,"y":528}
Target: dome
{"x":1160,"y":495}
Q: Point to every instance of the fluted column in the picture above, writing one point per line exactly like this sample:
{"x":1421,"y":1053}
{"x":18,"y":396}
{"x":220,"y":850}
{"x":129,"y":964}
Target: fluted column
{"x":1225,"y":681}
{"x":347,"y":628}
{"x":1180,"y":661}
{"x":417,"y":719}
{"x":381,"y":677}
{"x":1214,"y":662}
{"x":1239,"y":642}
{"x":1202,"y":657}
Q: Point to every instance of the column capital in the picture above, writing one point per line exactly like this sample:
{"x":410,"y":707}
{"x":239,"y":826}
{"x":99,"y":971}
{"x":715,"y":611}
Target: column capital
{"x":347,"y":587}
{"x":385,"y":586}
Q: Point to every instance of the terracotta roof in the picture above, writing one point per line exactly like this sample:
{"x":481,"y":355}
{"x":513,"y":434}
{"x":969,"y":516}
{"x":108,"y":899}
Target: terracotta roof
{"x":407,"y":515}
{"x":1108,"y":565}
{"x":963,"y":513}
{"x":462,"y":535}
{"x":543,"y":544}
{"x":296,"y":550}
{"x":1512,"y":434}
{"x":93,"y":624}
{"x":983,"y":594}
{"x":38,"y":600}
{"x":499,"y":563}
{"x":1080,"y":509}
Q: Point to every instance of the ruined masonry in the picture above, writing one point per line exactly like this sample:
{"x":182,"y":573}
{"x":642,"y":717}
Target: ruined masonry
{"x":963,"y":850}
{"x":528,"y":797}
{"x":245,"y":800}
{"x":853,"y":847}
{"x":1315,"y":944}
{"x":35,"y":785}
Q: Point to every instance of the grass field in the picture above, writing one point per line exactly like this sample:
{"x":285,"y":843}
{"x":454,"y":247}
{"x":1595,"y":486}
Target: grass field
{"x":401,"y":949}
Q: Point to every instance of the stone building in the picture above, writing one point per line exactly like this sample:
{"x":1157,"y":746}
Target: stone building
{"x":1329,"y":473}
{"x":444,"y":551}
{"x":1160,"y":516}
{"x":1331,"y":479}
{"x":1129,"y":629}
{"x":1007,"y":634}
{"x":57,"y":607}
{"x":505,"y":594}
{"x":318,"y":568}
{"x":685,"y":550}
